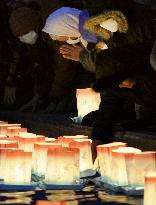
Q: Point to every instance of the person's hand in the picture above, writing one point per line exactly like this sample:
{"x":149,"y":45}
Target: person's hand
{"x":71,"y":52}
{"x":32,"y":104}
{"x":9,"y":95}
{"x":127,"y":83}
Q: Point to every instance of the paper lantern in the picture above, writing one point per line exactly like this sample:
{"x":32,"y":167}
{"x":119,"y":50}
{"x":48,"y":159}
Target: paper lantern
{"x":65,"y":140}
{"x":8,"y":144}
{"x":150,"y":189}
{"x":119,"y":174}
{"x":60,"y":167}
{"x":47,"y":139}
{"x":104,"y":154}
{"x":27,"y":143}
{"x":87,"y":101}
{"x":17,"y":166}
{"x":3,"y":152}
{"x":3,"y":127}
{"x":40,"y":157}
{"x":86,"y":161}
{"x":143,"y":163}
{"x":12,"y":131}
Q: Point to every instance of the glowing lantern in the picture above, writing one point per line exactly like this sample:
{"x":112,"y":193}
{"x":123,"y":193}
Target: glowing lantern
{"x":143,"y":163}
{"x":87,"y":101}
{"x":65,"y":140}
{"x":60,"y":166}
{"x":12,"y":131}
{"x":17,"y":166}
{"x":49,"y":140}
{"x":119,"y":173}
{"x":3,"y":127}
{"x":27,"y":143}
{"x":104,"y":154}
{"x":40,"y":157}
{"x":3,"y":152}
{"x":86,"y":161}
{"x":8,"y":144}
{"x":150,"y":189}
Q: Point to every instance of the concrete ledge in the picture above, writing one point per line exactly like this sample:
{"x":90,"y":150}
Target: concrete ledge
{"x":57,"y":125}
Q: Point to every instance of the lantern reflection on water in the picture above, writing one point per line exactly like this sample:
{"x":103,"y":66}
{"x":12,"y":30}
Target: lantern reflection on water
{"x":150,"y":189}
{"x":40,"y":156}
{"x":40,"y":202}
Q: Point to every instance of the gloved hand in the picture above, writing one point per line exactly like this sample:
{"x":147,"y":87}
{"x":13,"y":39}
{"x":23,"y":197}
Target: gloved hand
{"x":51,"y":108}
{"x":9,"y":95}
{"x":32,"y":104}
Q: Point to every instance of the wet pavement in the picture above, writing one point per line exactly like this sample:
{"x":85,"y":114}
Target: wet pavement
{"x":88,"y":196}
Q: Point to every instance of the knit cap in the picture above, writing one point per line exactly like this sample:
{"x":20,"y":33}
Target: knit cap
{"x":24,"y":20}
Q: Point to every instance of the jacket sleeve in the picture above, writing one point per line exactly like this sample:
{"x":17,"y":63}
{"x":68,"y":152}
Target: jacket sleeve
{"x":87,"y":60}
{"x":65,"y":72}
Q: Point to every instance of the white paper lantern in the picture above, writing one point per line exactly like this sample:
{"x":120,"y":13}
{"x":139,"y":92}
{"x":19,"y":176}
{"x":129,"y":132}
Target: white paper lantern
{"x":104,"y":154}
{"x":60,"y":166}
{"x":17,"y":166}
{"x":40,"y":157}
{"x":119,"y":174}
{"x":86,"y":161}
{"x":66,"y":140}
{"x":87,"y":100}
{"x":150,"y":189}
{"x":3,"y":127}
{"x":143,"y":163}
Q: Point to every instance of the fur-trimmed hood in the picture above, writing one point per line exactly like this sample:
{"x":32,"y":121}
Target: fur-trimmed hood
{"x":93,"y":23}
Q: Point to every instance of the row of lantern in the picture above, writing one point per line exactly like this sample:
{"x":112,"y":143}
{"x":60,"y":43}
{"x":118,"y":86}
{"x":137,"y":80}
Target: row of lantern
{"x":125,"y":166}
{"x":59,"y":161}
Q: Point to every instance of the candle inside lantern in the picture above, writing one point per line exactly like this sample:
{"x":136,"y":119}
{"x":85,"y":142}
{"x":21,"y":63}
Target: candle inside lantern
{"x":150,"y":189}
{"x":86,"y":161}
{"x":87,"y":100}
{"x":119,"y":174}
{"x":104,"y":154}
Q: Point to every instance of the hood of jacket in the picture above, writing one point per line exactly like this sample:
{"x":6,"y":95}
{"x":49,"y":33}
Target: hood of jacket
{"x":93,"y":23}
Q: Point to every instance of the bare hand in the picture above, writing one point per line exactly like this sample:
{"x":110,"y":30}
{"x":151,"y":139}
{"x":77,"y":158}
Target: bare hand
{"x":9,"y":95}
{"x":127,"y":84}
{"x":71,"y":52}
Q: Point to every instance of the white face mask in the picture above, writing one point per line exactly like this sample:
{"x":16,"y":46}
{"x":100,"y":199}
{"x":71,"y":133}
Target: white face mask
{"x":72,"y":42}
{"x":29,"y":38}
{"x":110,"y":25}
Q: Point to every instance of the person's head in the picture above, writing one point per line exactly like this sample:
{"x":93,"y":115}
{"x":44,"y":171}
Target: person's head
{"x":63,"y":25}
{"x":107,"y":23}
{"x":24,"y":24}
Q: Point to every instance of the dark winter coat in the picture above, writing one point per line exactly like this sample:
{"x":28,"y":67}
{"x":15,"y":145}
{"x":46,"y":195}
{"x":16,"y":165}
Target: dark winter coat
{"x":128,"y":53}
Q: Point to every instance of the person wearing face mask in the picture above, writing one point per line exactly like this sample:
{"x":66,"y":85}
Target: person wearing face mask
{"x":29,"y":59}
{"x":65,"y":26}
